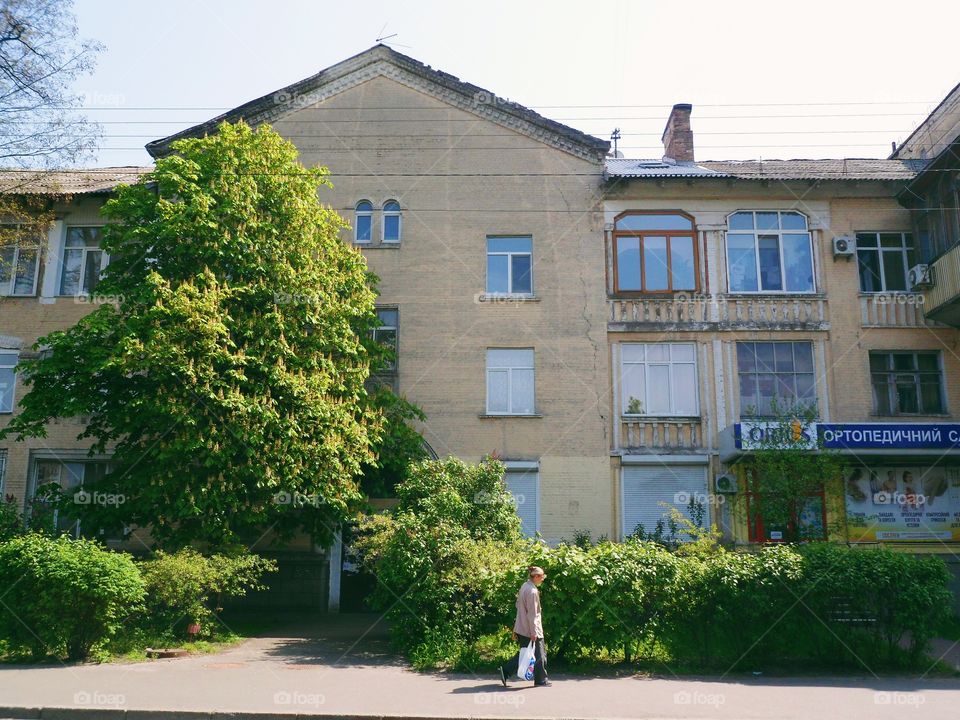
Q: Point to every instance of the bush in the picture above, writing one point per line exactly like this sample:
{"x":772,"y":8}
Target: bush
{"x":11,"y":523}
{"x":448,"y":558}
{"x":64,"y":596}
{"x":187,"y":587}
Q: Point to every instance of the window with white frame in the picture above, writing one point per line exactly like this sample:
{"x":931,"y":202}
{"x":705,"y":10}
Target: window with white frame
{"x":363,"y":222}
{"x":769,"y":251}
{"x":8,"y":379}
{"x":510,"y":384}
{"x":883,"y":259}
{"x":659,"y":379}
{"x":510,"y":265}
{"x":82,"y":261}
{"x":19,"y":260}
{"x":392,"y":221}
{"x":523,"y":482}
{"x":386,"y":333}
{"x":775,"y":377}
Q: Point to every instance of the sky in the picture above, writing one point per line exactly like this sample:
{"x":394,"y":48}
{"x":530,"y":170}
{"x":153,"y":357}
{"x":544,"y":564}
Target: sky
{"x":811,"y":79}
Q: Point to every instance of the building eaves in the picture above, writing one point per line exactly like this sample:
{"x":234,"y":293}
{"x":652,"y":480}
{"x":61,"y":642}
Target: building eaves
{"x":79,"y":181}
{"x":840,"y":169}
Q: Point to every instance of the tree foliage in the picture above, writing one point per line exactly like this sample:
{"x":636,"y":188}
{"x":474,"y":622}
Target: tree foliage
{"x":226,"y":374}
{"x":41,"y":56}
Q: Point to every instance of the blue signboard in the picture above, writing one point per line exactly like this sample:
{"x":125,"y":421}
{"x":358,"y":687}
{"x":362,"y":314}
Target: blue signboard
{"x":859,"y":436}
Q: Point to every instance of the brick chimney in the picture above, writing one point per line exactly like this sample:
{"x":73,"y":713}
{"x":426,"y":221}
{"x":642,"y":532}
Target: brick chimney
{"x":677,"y":136}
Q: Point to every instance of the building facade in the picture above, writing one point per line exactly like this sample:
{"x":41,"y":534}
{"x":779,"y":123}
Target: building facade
{"x":615,"y":330}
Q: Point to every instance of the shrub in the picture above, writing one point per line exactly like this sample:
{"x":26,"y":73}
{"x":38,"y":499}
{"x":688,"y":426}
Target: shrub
{"x":447,"y":559}
{"x":186,"y":586}
{"x":11,"y":523}
{"x":64,"y":596}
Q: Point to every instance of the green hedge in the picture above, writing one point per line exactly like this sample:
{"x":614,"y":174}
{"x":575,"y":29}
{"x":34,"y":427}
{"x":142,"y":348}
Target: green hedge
{"x":63,"y":596}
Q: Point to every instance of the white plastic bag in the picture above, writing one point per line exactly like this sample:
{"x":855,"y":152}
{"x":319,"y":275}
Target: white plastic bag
{"x":528,"y":658}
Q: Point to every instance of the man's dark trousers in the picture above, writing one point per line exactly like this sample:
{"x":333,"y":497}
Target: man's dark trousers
{"x":539,"y":669}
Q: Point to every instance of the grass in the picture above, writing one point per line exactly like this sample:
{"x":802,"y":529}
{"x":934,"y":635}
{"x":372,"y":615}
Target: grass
{"x":231,"y":628}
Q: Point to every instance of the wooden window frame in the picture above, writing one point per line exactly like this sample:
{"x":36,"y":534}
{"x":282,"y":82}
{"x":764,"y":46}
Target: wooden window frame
{"x":668,"y":234}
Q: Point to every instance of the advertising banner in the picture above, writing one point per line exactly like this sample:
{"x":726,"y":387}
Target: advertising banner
{"x":906,"y":504}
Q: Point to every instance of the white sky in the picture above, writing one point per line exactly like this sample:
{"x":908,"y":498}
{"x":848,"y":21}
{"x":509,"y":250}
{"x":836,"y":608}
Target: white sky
{"x":857,"y":75}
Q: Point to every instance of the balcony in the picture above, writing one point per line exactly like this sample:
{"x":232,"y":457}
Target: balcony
{"x":670,"y":434}
{"x":894,"y":310}
{"x":718,"y":312}
{"x":942,"y":301}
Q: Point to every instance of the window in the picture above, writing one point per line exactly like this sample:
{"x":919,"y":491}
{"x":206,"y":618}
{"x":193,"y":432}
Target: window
{"x":523,"y":481}
{"x":769,"y":252}
{"x":510,"y":265}
{"x":659,"y":379}
{"x":83,"y":261}
{"x":386,"y":333}
{"x":510,"y":382}
{"x":883,"y":260}
{"x":775,"y":377}
{"x":69,"y":477}
{"x":391,"y":221}
{"x":3,"y":472}
{"x":907,"y":383}
{"x":19,"y":260}
{"x":8,"y":379}
{"x":654,"y":252}
{"x":363,"y":222}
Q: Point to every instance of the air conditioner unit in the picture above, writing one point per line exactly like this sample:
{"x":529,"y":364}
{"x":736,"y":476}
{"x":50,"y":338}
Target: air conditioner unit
{"x":843,"y":246}
{"x":725,"y":484}
{"x":920,"y":277}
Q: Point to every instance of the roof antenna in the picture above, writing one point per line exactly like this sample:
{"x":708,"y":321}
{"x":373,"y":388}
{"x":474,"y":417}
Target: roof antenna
{"x":380,"y":40}
{"x":615,"y":136}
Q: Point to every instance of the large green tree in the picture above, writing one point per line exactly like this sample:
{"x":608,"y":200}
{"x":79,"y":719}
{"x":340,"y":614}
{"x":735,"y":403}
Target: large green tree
{"x":224,"y":372}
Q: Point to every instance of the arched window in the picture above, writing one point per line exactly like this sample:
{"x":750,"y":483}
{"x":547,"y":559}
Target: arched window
{"x":363,"y":222}
{"x":654,"y":252}
{"x":391,"y":221}
{"x":769,"y":251}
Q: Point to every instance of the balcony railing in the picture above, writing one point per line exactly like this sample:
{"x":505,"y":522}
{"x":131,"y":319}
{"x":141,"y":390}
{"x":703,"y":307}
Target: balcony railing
{"x":894,"y":310}
{"x":660,"y":433}
{"x":719,"y":312}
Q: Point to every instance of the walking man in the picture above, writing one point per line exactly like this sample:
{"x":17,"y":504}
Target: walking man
{"x":529,"y":626}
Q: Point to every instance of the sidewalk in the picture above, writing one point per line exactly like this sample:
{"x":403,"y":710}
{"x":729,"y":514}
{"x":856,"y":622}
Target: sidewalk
{"x":337,"y":671}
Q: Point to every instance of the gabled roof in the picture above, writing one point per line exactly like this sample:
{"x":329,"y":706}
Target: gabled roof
{"x":841,"y":169}
{"x":68,"y":182}
{"x":382,"y":60}
{"x":938,"y":130}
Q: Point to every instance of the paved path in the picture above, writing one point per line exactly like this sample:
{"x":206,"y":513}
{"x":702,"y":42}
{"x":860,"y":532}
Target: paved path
{"x":330,"y":672}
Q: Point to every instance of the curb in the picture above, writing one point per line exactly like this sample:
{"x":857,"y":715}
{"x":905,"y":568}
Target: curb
{"x":89,"y":713}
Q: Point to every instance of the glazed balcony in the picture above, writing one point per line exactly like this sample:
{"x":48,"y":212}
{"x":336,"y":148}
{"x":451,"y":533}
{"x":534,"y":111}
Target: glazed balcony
{"x":942,"y":301}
